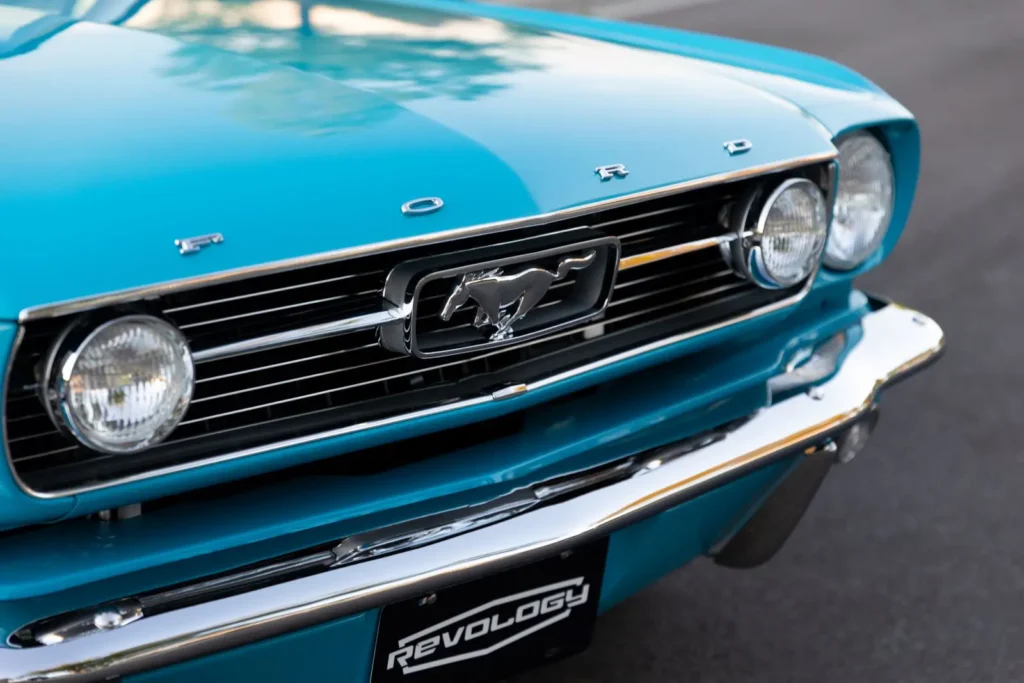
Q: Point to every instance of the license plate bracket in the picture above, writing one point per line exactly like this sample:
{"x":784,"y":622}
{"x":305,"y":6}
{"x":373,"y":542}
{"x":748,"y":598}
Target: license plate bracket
{"x":495,"y":626}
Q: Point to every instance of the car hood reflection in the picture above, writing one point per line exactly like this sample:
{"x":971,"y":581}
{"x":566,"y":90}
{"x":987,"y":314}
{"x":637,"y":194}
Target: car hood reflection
{"x":295,"y":128}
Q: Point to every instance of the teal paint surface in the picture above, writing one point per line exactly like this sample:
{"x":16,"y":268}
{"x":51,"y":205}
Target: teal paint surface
{"x":296,"y":136}
{"x":335,"y":652}
{"x":341,"y":651}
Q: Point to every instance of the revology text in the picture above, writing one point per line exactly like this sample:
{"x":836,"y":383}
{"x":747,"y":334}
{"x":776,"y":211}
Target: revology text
{"x":512,"y":617}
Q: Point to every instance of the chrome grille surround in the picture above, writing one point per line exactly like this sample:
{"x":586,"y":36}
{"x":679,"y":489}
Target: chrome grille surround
{"x":367,"y":320}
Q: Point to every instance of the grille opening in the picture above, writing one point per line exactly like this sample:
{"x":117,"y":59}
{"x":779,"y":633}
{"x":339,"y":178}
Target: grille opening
{"x":298,"y":391}
{"x":370,"y":461}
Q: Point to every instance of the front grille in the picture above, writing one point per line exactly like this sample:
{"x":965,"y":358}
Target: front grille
{"x":302,"y":389}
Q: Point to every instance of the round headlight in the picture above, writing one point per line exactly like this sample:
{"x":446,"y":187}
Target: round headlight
{"x":789,"y":236}
{"x":125,"y":386}
{"x":864,"y":202}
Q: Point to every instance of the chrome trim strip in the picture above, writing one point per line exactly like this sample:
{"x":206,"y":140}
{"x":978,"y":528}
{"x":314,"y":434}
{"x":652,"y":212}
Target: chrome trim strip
{"x":360,"y":322}
{"x":372,"y":320}
{"x":136,"y":293}
{"x":895,"y":342}
{"x":291,"y":361}
{"x":677,"y":250}
{"x":388,"y":540}
{"x":265,"y":573}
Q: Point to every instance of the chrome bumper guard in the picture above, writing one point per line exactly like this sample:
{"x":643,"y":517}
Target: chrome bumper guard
{"x":895,"y":342}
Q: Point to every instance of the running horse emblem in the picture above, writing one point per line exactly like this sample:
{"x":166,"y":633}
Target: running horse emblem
{"x":495,"y":292}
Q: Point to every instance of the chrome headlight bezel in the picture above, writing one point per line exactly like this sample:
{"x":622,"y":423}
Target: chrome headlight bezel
{"x":748,"y":250}
{"x":61,"y":365}
{"x":840,"y":258}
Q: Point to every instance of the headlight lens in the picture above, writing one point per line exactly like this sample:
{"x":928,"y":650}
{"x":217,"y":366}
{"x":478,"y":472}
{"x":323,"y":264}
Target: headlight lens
{"x":790,"y":233}
{"x":864,"y":202}
{"x":127,"y":385}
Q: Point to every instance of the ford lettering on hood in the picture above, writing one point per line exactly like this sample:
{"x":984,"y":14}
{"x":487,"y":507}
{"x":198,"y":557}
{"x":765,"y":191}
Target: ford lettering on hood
{"x":298,"y":129}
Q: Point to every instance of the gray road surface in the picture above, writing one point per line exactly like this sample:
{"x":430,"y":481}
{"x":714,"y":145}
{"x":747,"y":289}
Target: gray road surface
{"x":910,"y":563}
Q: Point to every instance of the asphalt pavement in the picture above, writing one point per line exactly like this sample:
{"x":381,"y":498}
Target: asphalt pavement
{"x":910,"y":563}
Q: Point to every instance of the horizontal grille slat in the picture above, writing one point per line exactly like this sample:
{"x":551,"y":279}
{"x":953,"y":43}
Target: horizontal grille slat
{"x":45,"y":453}
{"x":278,"y":309}
{"x":47,"y":432}
{"x":693,"y":274}
{"x":611,"y":225}
{"x":323,"y":392}
{"x":251,"y":295}
{"x":306,"y":387}
{"x":305,"y":359}
{"x":646,"y":232}
{"x":318,"y":375}
{"x":718,"y":289}
{"x":681,"y":289}
{"x":628,"y":226}
{"x":14,"y":422}
{"x":669,"y":232}
{"x":52,"y":442}
{"x":269,"y":324}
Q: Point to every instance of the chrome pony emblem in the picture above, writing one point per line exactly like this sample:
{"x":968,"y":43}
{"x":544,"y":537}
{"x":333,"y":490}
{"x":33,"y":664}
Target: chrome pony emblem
{"x":192,"y":245}
{"x":495,"y":293}
{"x":490,"y":296}
{"x":611,"y":171}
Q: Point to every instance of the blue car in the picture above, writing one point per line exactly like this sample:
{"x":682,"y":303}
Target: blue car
{"x":380,"y":341}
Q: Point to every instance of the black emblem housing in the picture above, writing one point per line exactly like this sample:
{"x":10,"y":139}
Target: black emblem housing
{"x":589,"y":261}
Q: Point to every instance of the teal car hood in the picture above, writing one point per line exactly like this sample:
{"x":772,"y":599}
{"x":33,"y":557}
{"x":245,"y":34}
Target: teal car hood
{"x":297,"y":131}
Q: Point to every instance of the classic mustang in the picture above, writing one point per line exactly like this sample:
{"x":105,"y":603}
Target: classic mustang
{"x":396,"y":340}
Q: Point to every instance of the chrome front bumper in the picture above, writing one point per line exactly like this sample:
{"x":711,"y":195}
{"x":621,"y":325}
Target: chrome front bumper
{"x":895,"y":342}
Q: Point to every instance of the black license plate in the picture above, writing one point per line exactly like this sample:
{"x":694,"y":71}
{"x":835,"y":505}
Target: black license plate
{"x":493,"y":627}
